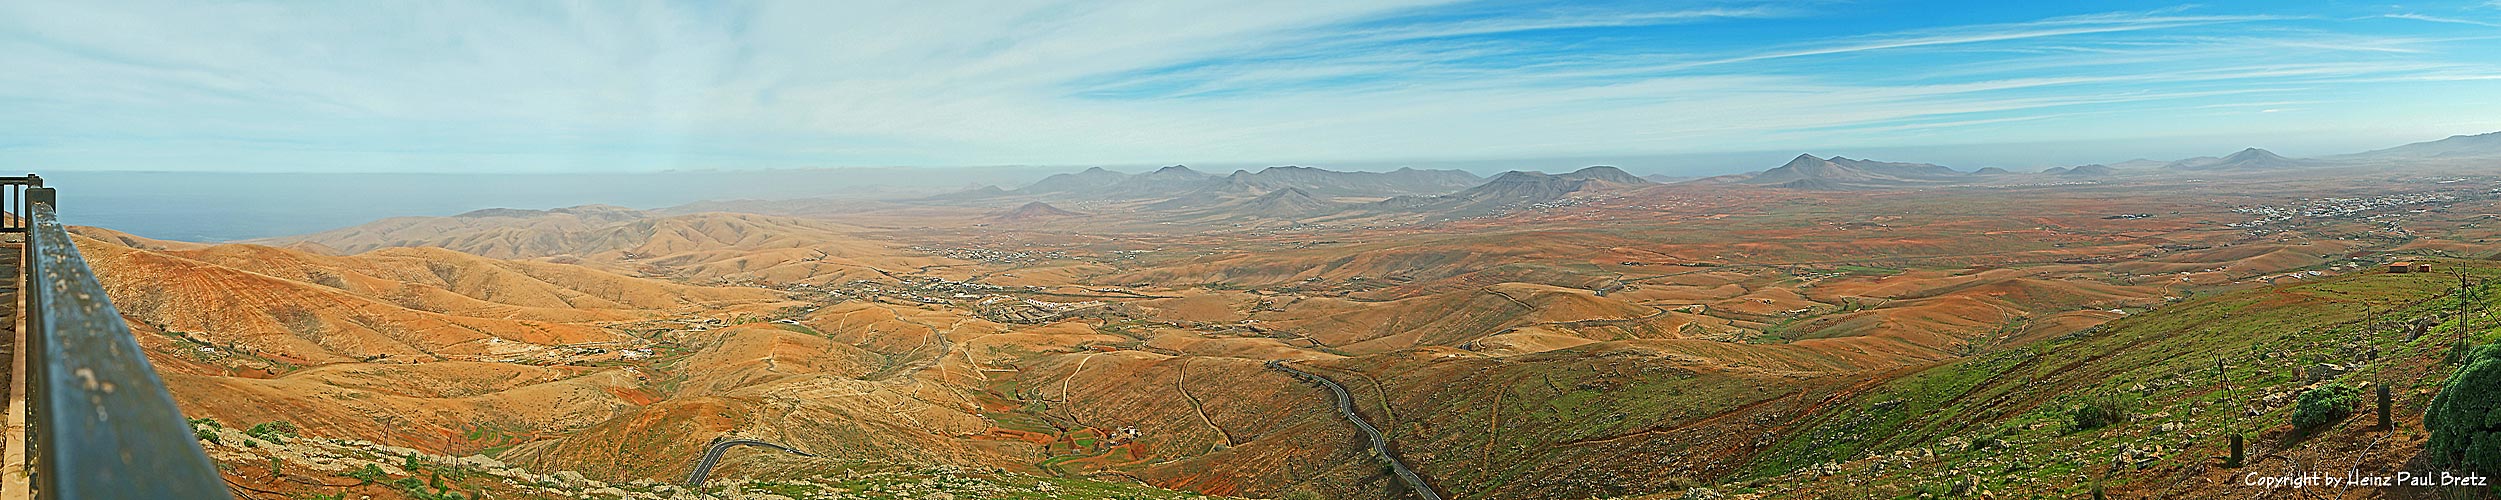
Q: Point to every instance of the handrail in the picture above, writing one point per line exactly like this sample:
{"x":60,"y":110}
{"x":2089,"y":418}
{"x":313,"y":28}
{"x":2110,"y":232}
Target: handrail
{"x":101,"y":423}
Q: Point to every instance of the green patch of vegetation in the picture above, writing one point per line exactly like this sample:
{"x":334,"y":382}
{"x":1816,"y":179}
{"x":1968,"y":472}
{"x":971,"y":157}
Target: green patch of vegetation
{"x":2213,"y":365}
{"x":368,"y":474}
{"x":799,"y":329}
{"x":272,"y":431}
{"x":430,"y":488}
{"x":1114,"y":329}
{"x":205,"y":429}
{"x":2098,"y":412}
{"x":2462,"y":432}
{"x":2323,"y":405}
{"x":787,"y":489}
{"x":492,"y":437}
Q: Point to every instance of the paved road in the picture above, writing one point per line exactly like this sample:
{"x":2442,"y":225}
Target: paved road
{"x":712,"y":457}
{"x":1380,"y":442}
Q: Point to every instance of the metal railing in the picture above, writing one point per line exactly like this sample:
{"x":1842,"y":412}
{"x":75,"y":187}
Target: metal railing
{"x":100,"y":424}
{"x":13,"y":195}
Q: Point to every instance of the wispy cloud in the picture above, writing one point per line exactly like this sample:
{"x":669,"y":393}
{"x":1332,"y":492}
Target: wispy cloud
{"x":2437,"y":19}
{"x":662,"y":85}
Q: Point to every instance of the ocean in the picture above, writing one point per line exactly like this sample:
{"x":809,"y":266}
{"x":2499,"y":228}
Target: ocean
{"x":215,"y":206}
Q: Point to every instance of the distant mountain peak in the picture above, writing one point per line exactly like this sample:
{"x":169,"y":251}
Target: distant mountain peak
{"x":1519,"y":176}
{"x":2093,"y":170}
{"x":1291,"y":203}
{"x":2252,"y":153}
{"x":1606,"y":173}
{"x":1036,"y":211}
{"x":2245,"y":159}
{"x":1838,"y":172}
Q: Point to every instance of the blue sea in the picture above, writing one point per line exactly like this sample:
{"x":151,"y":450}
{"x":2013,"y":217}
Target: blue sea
{"x":213,"y":207}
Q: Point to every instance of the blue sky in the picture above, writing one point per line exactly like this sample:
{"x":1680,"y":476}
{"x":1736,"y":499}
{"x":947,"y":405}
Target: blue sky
{"x":616,"y":86}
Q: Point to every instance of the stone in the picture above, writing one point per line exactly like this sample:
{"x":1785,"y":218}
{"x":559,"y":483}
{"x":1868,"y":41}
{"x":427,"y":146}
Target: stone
{"x":482,"y":462}
{"x":2323,"y":372}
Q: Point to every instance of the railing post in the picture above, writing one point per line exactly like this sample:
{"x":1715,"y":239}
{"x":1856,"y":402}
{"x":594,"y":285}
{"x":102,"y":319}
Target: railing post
{"x":2386,"y":421}
{"x":2237,"y":458}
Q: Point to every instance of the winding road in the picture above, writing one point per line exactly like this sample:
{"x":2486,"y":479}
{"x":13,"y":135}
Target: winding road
{"x":1380,"y":442}
{"x":712,"y":457}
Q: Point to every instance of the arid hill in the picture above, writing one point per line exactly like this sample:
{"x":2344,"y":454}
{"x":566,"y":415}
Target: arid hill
{"x":711,"y":247}
{"x":2485,"y":145}
{"x":1510,"y":191}
{"x":1808,"y":172}
{"x":1035,"y":211}
{"x":1538,"y":336}
{"x":2246,"y":159}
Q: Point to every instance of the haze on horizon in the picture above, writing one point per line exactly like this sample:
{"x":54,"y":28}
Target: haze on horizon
{"x":1696,"y":87}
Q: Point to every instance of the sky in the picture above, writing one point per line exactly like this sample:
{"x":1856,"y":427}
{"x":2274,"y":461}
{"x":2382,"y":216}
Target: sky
{"x":528,"y":86}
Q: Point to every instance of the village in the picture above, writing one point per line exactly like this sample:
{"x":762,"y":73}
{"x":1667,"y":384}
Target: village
{"x":2326,"y":208}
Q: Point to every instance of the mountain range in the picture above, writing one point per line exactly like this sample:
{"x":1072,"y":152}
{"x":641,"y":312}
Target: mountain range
{"x":1298,"y":192}
{"x":2484,"y":145}
{"x":1510,"y":191}
{"x":1181,"y":181}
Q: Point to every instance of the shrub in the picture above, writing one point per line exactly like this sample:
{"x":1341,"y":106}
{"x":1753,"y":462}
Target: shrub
{"x":1993,"y":439}
{"x":205,"y":429}
{"x":2099,"y":412}
{"x":368,"y":475}
{"x":2464,"y":432}
{"x":271,"y":431}
{"x":2323,"y":405}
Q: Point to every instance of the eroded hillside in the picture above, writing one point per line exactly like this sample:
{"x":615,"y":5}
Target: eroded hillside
{"x":1616,"y":338}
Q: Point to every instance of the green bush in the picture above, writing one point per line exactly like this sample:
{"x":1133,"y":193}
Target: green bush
{"x":271,"y":431}
{"x":2100,"y":411}
{"x":2323,"y":405}
{"x":205,"y":429}
{"x":368,"y":475}
{"x":2465,"y":419}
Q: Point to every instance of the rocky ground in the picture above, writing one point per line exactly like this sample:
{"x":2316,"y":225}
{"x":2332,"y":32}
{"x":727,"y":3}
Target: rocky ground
{"x":271,"y":461}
